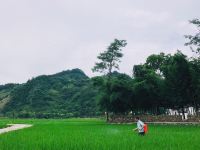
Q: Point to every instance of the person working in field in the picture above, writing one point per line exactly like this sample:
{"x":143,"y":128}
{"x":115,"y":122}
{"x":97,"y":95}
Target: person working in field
{"x":141,"y":127}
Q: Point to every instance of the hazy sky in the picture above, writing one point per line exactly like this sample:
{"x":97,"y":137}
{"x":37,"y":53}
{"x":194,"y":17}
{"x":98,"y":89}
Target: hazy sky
{"x":47,"y":36}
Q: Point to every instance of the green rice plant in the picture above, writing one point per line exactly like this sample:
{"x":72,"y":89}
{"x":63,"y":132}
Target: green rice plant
{"x":95,"y":134}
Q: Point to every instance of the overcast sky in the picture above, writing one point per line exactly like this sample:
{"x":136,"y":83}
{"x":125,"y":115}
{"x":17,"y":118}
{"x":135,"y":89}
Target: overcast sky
{"x":47,"y":36}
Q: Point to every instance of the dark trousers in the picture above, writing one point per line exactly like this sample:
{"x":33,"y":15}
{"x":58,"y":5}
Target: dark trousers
{"x":141,"y":133}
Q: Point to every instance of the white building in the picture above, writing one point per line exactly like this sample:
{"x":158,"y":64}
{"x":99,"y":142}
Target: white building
{"x":188,"y":111}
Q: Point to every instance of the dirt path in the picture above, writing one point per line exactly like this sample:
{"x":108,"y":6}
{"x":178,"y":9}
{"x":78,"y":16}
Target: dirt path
{"x":183,"y":123}
{"x":13,"y":127}
{"x":175,"y":123}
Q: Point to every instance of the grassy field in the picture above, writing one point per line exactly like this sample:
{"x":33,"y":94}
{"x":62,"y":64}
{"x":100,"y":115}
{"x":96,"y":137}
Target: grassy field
{"x":94,"y":134}
{"x":3,"y":126}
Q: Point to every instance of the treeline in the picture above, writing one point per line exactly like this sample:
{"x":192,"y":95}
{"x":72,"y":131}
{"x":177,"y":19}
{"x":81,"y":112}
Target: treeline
{"x":164,"y":81}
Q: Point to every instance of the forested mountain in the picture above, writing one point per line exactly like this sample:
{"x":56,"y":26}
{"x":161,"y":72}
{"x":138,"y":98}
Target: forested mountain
{"x":65,"y":94}
{"x":5,"y":91}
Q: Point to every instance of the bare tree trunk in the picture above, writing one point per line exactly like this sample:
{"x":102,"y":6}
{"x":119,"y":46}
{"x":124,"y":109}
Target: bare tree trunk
{"x":196,"y":109}
{"x":157,"y":110}
{"x":107,"y":116}
{"x":183,"y":113}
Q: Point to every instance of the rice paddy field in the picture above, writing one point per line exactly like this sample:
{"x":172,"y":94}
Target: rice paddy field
{"x":96,"y":134}
{"x":3,"y":125}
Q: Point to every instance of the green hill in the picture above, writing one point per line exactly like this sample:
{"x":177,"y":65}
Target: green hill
{"x":66,"y":94}
{"x":5,"y":91}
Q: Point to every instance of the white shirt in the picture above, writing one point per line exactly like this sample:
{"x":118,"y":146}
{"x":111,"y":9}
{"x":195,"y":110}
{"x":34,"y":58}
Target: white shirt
{"x":140,"y":126}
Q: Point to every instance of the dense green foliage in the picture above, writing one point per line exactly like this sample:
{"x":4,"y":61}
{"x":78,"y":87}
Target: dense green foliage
{"x":163,"y":82}
{"x":66,"y":94}
{"x":5,"y":91}
{"x":92,"y":134}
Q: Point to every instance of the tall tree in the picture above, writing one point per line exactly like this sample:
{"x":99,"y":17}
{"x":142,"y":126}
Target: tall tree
{"x":109,"y":61}
{"x":194,"y":40}
{"x":158,"y":63}
{"x":148,"y":88}
{"x":110,"y":58}
{"x":177,"y":78}
{"x":121,"y":95}
{"x":195,"y":84}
